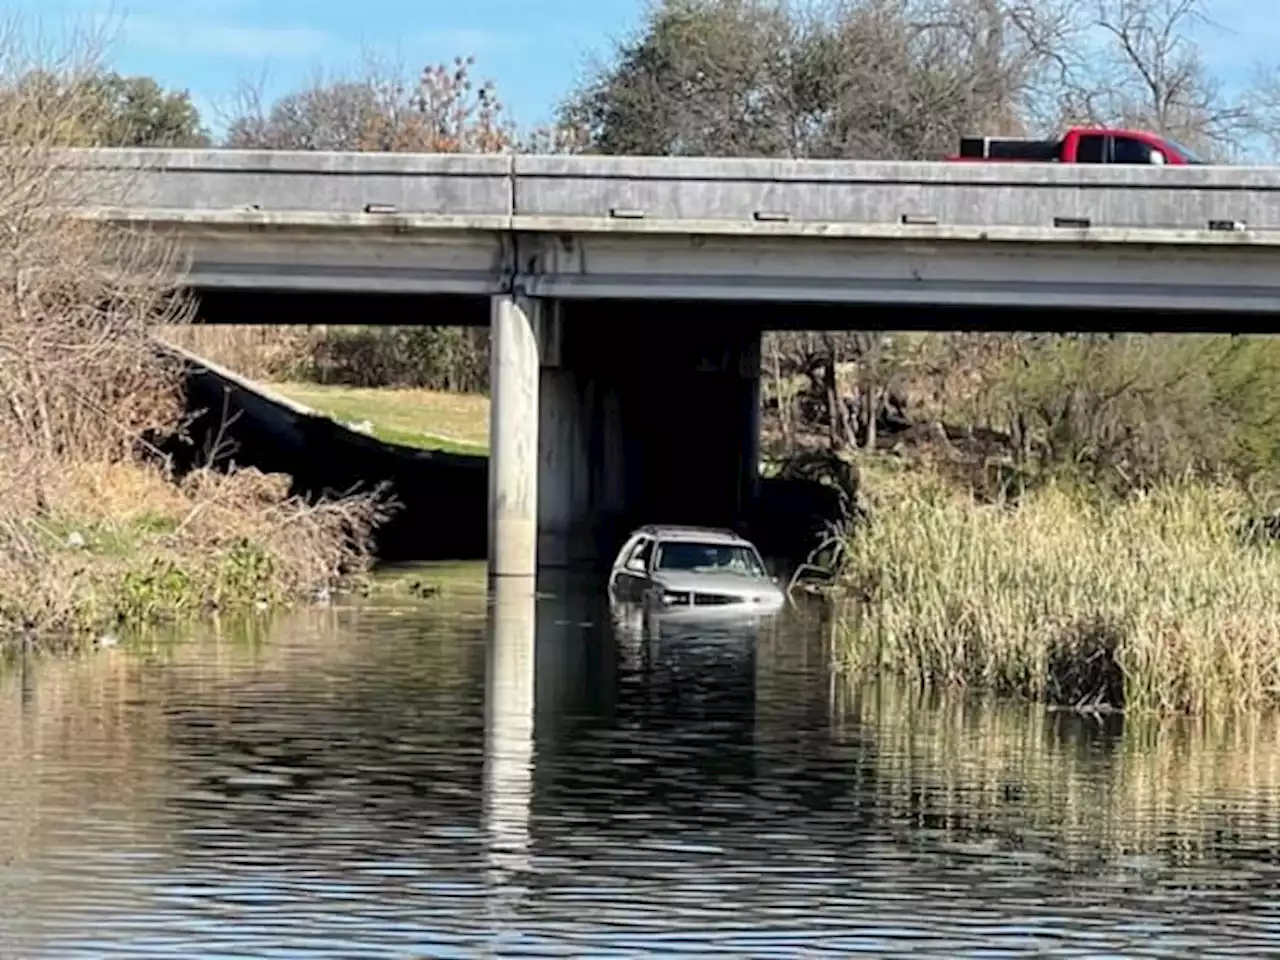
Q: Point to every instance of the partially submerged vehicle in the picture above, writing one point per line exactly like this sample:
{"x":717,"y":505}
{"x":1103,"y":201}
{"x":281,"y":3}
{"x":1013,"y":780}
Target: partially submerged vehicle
{"x":693,"y":575}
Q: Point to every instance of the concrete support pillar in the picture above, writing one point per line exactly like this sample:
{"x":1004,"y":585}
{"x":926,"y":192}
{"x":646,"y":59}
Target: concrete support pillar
{"x":513,"y":437}
{"x":582,"y":454}
{"x":563,"y":463}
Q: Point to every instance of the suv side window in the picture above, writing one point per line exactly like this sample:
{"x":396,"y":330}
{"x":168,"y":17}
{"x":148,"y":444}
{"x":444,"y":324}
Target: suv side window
{"x":1091,"y":148}
{"x":1130,"y":150}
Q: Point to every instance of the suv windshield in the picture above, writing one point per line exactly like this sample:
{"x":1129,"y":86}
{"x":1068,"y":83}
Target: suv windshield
{"x":709,"y":558}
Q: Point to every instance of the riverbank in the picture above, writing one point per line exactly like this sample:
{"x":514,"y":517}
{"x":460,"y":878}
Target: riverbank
{"x":97,"y":529}
{"x":121,"y":545}
{"x":1146,"y":603}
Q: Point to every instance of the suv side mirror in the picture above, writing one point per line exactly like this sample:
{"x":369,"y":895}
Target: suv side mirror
{"x":635,"y":565}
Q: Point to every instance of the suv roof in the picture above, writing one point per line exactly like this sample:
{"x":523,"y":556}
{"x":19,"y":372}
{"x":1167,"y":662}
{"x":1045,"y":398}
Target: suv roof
{"x":689,"y":533}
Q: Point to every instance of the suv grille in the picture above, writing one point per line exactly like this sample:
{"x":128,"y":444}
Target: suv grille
{"x":714,"y":600}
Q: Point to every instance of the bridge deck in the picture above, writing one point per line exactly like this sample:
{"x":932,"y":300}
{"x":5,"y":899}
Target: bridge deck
{"x":1024,"y":236}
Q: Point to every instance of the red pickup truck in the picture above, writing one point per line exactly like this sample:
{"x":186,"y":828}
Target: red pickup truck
{"x":1079,"y":145}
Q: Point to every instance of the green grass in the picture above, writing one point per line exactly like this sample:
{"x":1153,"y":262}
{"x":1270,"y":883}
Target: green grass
{"x":423,"y":419}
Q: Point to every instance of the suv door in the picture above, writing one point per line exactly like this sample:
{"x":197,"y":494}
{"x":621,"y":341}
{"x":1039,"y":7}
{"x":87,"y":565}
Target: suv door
{"x":633,"y":575}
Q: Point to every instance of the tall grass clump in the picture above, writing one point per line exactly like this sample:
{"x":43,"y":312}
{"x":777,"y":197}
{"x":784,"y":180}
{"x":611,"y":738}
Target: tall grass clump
{"x":1154,"y":601}
{"x":93,"y":529}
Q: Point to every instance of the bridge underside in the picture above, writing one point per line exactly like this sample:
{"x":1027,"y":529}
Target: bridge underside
{"x":235,"y":307}
{"x":607,"y":414}
{"x":662,"y":427}
{"x":594,"y":431}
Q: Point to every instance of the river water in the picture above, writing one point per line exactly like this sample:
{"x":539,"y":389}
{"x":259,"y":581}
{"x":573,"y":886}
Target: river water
{"x":427,"y":781}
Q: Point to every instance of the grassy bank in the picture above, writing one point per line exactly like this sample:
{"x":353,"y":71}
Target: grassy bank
{"x":1150,"y":602}
{"x":425,"y":419}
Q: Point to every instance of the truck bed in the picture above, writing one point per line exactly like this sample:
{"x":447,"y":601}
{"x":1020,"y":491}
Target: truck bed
{"x":1009,"y":148}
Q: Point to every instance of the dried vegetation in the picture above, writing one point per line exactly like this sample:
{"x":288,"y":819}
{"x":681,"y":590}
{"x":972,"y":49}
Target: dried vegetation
{"x":1161,"y":601}
{"x":93,"y":529}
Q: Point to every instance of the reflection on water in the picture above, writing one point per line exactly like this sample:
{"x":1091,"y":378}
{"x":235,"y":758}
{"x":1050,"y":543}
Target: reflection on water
{"x":460,"y":780}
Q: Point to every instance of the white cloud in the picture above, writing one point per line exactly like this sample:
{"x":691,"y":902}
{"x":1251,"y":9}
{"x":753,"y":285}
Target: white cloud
{"x":211,"y":37}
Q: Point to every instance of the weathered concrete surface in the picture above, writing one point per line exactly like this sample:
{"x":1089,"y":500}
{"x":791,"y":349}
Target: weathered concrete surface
{"x":334,"y":253}
{"x":686,"y":189}
{"x":1024,"y":236}
{"x":513,"y":437}
{"x":1220,"y":272}
{"x":1212,"y":272}
{"x":1020,"y":266}
{"x":318,"y":182}
{"x":863,"y":192}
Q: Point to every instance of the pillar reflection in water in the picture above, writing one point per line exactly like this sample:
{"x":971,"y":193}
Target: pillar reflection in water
{"x":508,"y":738}
{"x":574,"y":663}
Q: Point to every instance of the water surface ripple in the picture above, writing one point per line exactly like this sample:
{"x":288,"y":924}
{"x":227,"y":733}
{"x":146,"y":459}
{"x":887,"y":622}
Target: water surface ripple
{"x":449,"y":781}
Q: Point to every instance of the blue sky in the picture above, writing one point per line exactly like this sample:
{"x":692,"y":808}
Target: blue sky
{"x":532,"y":49}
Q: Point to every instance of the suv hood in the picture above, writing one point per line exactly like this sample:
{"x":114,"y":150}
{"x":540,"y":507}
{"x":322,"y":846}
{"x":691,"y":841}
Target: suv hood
{"x":732,"y":584}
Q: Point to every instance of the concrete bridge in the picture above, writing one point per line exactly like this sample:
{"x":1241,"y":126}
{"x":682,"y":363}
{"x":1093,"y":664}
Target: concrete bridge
{"x":627,"y":296}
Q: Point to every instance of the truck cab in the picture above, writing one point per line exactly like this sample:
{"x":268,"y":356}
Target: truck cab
{"x":1080,"y":145}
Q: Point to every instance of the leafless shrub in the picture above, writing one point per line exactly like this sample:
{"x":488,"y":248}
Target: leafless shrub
{"x":79,"y":378}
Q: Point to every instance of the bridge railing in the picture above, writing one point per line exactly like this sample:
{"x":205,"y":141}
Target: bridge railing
{"x":693,"y":190}
{"x":896,"y":193}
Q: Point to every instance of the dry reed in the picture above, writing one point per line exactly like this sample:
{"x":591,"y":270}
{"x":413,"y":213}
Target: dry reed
{"x":1153,"y":603}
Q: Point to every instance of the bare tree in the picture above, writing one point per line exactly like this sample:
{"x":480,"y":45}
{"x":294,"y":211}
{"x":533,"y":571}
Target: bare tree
{"x":850,"y":78}
{"x":78,"y":299}
{"x":441,"y":110}
{"x":1264,"y":112}
{"x":382,"y":107}
{"x":1137,"y":64}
